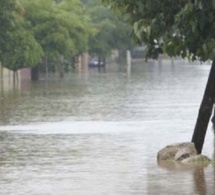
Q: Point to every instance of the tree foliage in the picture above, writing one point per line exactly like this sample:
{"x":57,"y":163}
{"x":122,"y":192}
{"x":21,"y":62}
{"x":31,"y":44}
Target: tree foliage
{"x":59,"y":27}
{"x":111,"y":32}
{"x":18,"y":47}
{"x":185,"y":28}
{"x":34,"y":30}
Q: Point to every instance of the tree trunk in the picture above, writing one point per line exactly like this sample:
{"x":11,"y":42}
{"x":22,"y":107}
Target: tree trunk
{"x":17,"y":77}
{"x":99,"y":63}
{"x":46,"y":67}
{"x":205,"y":111}
{"x":1,"y":71}
{"x":61,"y":66}
{"x":35,"y":74}
{"x":213,"y":118}
{"x":14,"y":75}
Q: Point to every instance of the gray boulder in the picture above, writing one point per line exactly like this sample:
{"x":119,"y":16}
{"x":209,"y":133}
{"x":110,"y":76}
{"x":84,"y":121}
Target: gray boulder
{"x":185,"y":152}
{"x":169,"y":152}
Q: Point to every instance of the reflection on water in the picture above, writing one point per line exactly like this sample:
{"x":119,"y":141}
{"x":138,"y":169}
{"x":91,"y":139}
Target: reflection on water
{"x":199,"y":180}
{"x":197,"y":170}
{"x":99,"y":133}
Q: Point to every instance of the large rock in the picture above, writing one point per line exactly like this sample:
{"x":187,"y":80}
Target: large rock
{"x":169,"y":152}
{"x":185,"y":152}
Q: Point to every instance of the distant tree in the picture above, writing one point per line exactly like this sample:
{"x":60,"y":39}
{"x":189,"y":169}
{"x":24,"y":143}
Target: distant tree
{"x":184,"y":28}
{"x":110,"y":32}
{"x":60,"y":27}
{"x":18,"y":48}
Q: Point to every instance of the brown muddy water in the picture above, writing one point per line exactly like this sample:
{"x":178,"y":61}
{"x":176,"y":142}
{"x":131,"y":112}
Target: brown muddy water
{"x":98,"y":133}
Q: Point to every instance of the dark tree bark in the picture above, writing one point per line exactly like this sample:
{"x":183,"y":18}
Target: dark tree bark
{"x":99,"y":63}
{"x":213,"y":118}
{"x":35,"y":74}
{"x":205,"y":111}
{"x":61,"y":66}
{"x":46,"y":67}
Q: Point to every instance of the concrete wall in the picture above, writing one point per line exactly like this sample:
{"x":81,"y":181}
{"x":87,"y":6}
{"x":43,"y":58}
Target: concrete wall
{"x":82,"y":65}
{"x":7,"y":75}
{"x":25,"y":74}
{"x":6,"y":78}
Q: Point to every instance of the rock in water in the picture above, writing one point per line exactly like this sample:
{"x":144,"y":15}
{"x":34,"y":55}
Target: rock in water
{"x":169,"y":152}
{"x":185,"y":153}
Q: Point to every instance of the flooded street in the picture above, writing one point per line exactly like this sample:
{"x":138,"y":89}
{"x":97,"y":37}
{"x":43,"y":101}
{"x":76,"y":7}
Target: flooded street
{"x":98,"y":133}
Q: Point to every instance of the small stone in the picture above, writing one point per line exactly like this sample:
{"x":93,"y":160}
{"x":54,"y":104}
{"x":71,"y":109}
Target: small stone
{"x":197,"y":159}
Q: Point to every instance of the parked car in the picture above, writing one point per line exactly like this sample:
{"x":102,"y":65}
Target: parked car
{"x":95,"y":63}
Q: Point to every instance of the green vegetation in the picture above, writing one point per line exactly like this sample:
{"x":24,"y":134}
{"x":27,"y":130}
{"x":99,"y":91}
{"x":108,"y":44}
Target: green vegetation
{"x":185,"y":29}
{"x":59,"y":27}
{"x":52,"y":32}
{"x":18,"y":47}
{"x":112,"y":32}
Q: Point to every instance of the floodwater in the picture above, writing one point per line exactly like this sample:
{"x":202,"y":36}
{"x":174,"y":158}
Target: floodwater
{"x":98,"y":133}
